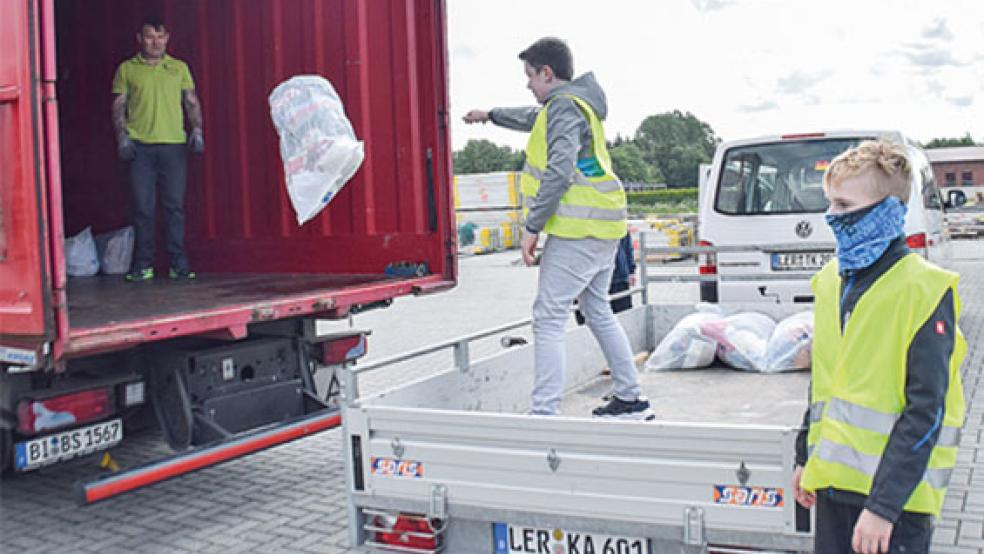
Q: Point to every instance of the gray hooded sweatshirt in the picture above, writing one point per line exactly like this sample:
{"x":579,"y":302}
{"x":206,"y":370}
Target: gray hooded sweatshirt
{"x":568,"y":139}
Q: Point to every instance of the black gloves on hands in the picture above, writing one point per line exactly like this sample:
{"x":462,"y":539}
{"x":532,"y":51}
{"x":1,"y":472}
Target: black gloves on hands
{"x":196,"y":141}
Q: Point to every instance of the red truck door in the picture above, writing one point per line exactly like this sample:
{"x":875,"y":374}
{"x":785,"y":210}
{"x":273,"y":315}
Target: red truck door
{"x":24,"y":309}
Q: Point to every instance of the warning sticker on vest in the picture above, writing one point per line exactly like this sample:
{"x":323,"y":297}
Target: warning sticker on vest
{"x":761,"y":497}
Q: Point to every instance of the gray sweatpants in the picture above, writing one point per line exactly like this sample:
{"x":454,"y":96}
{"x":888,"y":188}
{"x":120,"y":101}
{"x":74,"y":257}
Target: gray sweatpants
{"x":580,"y":269}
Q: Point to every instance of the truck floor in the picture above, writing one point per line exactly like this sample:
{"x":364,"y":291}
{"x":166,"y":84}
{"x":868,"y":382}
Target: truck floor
{"x":715,"y":394}
{"x":103,"y":300}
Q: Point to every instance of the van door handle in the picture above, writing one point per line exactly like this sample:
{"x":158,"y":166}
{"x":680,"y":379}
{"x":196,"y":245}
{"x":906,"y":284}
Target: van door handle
{"x":9,"y":93}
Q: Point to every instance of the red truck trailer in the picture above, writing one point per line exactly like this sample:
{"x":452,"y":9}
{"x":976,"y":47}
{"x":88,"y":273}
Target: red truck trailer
{"x":232,"y":353}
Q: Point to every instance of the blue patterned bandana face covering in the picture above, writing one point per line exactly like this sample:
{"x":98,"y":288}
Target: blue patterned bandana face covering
{"x":864,"y":235}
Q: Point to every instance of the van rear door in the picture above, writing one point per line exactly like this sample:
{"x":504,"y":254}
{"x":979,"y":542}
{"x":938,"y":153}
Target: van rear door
{"x":24,"y":310}
{"x":769,"y":198}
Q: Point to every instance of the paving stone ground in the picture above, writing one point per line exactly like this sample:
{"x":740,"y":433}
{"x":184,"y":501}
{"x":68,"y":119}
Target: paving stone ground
{"x":291,"y":498}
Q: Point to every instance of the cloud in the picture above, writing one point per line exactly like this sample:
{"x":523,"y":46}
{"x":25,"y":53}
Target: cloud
{"x":960,"y":101}
{"x":763,"y":106}
{"x":799,"y":82}
{"x":937,"y":30}
{"x":929,"y":57}
{"x":711,"y":5}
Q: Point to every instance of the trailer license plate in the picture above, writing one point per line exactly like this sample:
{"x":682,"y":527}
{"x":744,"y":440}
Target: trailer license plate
{"x":59,"y":447}
{"x":794,"y":261}
{"x":519,"y":539}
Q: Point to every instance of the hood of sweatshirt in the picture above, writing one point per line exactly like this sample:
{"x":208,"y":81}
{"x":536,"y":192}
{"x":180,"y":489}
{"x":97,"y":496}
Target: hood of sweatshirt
{"x":586,"y":88}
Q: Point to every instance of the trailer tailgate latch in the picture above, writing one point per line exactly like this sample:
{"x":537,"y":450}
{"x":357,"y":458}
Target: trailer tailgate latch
{"x":553,"y":460}
{"x":743,"y":473}
{"x":398,"y":448}
{"x":438,"y":503}
{"x":693,"y":526}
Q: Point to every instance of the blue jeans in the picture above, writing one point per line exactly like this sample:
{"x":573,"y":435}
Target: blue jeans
{"x":576,"y":269}
{"x":164,"y":165}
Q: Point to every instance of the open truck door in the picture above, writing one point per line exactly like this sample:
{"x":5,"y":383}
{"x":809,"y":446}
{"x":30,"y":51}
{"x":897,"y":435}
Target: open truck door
{"x":25,"y":311}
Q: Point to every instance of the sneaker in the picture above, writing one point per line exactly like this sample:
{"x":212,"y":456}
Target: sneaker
{"x":137,"y":275}
{"x":619,"y":409}
{"x":182,"y":274}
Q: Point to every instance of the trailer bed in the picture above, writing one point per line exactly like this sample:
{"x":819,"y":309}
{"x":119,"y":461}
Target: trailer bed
{"x":712,"y":395}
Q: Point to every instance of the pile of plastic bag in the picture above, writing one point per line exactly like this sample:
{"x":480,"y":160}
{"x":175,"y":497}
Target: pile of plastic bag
{"x":86,"y":255}
{"x":747,"y":341}
{"x":317,"y":144}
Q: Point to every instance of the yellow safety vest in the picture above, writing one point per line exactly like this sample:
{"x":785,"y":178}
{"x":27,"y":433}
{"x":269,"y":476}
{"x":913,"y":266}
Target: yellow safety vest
{"x":592,"y":206}
{"x":858,"y":387}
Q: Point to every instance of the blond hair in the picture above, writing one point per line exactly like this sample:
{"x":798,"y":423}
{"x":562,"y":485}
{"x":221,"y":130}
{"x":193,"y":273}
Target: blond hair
{"x":886,"y":163}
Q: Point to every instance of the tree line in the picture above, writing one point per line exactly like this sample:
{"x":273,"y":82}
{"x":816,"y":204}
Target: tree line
{"x":666,"y":148}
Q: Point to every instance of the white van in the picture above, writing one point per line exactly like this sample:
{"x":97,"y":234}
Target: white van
{"x":767,"y":193}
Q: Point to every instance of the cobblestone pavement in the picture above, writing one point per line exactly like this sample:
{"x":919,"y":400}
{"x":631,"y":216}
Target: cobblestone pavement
{"x":291,"y":498}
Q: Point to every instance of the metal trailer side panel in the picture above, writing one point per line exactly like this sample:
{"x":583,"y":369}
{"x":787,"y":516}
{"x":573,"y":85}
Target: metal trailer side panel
{"x":642,"y":475}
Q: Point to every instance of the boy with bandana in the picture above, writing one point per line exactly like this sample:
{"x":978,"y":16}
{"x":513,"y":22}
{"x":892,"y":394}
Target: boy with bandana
{"x":879,"y":440}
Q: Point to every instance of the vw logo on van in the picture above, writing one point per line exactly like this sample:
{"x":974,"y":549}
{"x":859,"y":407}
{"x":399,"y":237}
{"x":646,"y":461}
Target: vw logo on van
{"x":804,"y":229}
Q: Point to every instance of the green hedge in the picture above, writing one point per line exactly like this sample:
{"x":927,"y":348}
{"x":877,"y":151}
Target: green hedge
{"x":661,"y":196}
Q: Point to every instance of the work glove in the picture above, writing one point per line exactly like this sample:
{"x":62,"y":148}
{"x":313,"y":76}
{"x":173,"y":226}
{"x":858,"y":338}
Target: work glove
{"x":196,"y":141}
{"x":125,"y":148}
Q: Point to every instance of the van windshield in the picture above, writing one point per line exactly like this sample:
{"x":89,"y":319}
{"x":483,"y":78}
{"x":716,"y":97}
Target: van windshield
{"x":777,"y":178}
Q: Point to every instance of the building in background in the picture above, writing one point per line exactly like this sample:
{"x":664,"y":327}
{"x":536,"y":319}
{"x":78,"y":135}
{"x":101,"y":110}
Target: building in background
{"x":960,"y":168}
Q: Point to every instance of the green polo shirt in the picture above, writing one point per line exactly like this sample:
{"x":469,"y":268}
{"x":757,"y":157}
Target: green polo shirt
{"x":153,"y":98}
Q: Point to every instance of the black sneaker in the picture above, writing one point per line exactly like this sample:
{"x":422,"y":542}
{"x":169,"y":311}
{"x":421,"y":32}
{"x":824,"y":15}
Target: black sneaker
{"x":181,"y":274}
{"x":138,"y":275}
{"x":637,"y":410}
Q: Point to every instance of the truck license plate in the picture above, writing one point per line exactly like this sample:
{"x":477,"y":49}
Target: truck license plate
{"x":59,"y":447}
{"x":793,"y":261}
{"x":520,"y":539}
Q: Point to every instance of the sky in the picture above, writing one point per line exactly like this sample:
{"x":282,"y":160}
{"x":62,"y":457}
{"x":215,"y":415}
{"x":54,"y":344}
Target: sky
{"x":746,"y":67}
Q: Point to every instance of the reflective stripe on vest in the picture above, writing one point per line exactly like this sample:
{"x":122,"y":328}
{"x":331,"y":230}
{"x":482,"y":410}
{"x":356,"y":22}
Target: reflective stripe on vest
{"x":879,"y":422}
{"x":938,"y":478}
{"x":608,"y":185}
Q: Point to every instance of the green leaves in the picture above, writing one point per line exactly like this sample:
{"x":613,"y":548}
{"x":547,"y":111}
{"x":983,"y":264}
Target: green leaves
{"x":483,"y":156}
{"x":676,"y":144}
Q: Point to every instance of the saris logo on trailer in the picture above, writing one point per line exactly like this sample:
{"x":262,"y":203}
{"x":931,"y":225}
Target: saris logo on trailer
{"x":397,"y":468}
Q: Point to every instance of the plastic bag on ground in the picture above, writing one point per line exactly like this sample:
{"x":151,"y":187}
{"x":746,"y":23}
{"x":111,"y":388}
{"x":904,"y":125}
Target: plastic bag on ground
{"x":317,"y":144}
{"x":81,"y":259}
{"x":684,"y":347}
{"x":115,"y":250}
{"x":742,"y":339}
{"x":791,"y":345}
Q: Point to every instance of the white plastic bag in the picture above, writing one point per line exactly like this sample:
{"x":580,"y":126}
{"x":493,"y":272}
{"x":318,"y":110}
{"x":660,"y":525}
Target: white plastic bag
{"x":81,"y":259}
{"x":317,"y":144}
{"x":115,"y":250}
{"x":791,"y":345}
{"x":742,"y":339}
{"x":684,"y":347}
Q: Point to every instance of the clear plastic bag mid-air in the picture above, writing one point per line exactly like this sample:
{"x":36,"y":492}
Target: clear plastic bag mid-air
{"x":317,"y":144}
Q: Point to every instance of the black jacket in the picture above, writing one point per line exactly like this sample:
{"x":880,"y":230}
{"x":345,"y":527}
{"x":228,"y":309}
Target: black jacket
{"x":927,"y":378}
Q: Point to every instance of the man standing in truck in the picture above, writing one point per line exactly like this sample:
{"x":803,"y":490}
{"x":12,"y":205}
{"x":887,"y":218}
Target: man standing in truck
{"x":573,"y":197}
{"x":149,"y":91}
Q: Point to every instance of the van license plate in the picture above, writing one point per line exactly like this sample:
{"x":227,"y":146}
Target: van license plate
{"x":59,"y":447}
{"x":520,"y":539}
{"x":794,"y":261}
